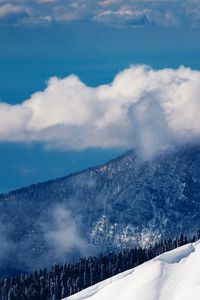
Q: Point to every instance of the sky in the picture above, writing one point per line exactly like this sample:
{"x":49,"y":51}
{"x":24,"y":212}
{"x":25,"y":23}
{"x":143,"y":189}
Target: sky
{"x":81,"y":81}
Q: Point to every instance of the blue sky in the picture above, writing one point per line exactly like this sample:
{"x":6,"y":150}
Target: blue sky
{"x":94,"y":40}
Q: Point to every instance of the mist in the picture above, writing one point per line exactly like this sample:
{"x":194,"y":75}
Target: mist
{"x":62,"y":234}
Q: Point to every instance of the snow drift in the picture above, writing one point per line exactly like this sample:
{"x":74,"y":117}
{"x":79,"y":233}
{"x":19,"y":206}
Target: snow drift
{"x":174,"y":275}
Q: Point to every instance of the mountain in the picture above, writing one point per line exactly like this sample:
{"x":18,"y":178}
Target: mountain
{"x":172,"y":275}
{"x":125,"y":202}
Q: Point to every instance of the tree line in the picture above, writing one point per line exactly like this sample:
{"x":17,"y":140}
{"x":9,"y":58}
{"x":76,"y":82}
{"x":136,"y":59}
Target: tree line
{"x":66,"y":279}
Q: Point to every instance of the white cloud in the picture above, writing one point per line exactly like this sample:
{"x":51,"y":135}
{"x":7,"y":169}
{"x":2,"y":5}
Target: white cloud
{"x":143,"y":108}
{"x":106,"y":3}
{"x":166,"y":18}
{"x":124,"y":16}
{"x":10,"y":9}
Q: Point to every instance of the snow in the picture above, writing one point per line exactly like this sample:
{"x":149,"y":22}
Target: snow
{"x":174,"y":275}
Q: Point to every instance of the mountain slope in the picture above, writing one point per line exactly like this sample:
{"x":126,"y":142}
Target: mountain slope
{"x":173,"y":275}
{"x":122,"y":203}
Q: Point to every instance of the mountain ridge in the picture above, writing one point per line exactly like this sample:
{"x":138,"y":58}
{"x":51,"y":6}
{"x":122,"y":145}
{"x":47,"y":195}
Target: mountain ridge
{"x":123,"y":203}
{"x":72,"y":174}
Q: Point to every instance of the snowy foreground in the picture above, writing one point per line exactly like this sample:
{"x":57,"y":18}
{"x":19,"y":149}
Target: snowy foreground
{"x":174,"y":275}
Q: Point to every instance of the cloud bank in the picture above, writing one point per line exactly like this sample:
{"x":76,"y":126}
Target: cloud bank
{"x":142,"y":108}
{"x":109,"y":12}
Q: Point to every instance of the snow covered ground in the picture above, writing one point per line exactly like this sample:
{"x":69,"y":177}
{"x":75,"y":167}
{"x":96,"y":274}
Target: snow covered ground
{"x":174,"y":275}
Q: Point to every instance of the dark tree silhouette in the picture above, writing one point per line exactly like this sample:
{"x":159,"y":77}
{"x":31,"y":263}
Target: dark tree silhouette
{"x":64,"y":280}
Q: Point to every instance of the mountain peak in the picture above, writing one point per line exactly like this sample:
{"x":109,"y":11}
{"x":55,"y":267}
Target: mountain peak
{"x":124,"y":203}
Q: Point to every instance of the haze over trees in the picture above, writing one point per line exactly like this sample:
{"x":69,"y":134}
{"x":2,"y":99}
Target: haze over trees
{"x":66,"y":279}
